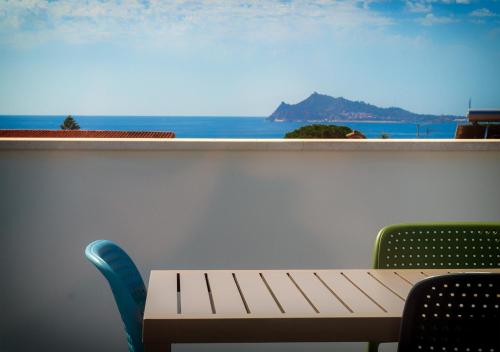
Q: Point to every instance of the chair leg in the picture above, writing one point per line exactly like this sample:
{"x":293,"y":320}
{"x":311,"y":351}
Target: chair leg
{"x":151,"y":347}
{"x":372,"y":346}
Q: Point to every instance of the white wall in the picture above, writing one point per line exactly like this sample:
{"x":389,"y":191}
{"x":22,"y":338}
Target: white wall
{"x":205,"y":209}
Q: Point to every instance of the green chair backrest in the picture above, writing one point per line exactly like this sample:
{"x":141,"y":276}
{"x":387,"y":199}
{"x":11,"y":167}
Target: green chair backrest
{"x":438,"y":245}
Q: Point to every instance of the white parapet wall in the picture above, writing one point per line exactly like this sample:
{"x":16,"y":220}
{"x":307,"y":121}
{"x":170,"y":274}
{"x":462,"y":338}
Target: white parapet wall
{"x":209,"y":204}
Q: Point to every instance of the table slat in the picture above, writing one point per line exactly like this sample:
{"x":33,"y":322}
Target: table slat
{"x":194,"y":293}
{"x":393,"y":281}
{"x":322,"y":298}
{"x":227,"y":299}
{"x":255,"y":293}
{"x":376,"y":290}
{"x":434,"y":272}
{"x":412,"y":276}
{"x":162,"y":293}
{"x":348,"y":293}
{"x":287,"y":294}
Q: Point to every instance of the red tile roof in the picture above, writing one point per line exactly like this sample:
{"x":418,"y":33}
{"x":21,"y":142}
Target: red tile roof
{"x":83,"y":134}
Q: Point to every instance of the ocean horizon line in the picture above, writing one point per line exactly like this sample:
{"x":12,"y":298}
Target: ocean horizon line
{"x":227,"y":116}
{"x":128,"y":115}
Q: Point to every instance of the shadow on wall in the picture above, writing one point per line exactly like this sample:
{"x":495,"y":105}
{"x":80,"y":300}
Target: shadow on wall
{"x":226,"y":231}
{"x":161,"y":214}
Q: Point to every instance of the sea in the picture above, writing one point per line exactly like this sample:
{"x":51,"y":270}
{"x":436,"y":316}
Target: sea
{"x":223,"y":126}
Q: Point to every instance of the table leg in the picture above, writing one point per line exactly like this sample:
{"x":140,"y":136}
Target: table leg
{"x":153,"y":347}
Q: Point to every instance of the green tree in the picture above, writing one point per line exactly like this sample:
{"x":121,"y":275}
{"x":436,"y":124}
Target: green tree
{"x":319,"y":131}
{"x":69,"y":123}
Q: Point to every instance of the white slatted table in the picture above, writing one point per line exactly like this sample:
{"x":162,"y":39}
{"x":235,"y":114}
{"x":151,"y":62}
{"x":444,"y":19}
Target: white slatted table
{"x":276,"y":305}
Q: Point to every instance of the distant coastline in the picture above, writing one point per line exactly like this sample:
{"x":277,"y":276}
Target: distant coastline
{"x":323,"y":108}
{"x":363,"y":121}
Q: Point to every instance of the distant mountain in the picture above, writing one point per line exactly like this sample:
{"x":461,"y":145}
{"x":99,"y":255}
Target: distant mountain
{"x":324,"y":108}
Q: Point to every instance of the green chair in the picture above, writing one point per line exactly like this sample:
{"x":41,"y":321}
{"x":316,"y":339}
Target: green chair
{"x":453,"y":245}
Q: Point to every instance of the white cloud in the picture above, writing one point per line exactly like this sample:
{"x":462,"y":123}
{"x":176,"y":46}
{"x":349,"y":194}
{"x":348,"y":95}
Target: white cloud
{"x":460,"y":2}
{"x":164,"y":21}
{"x":431,"y":19}
{"x":425,"y":6}
{"x":418,"y":7}
{"x":484,"y":12}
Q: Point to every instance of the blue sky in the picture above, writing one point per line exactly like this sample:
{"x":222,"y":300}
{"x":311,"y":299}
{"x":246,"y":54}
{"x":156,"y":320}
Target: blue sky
{"x":235,"y":57}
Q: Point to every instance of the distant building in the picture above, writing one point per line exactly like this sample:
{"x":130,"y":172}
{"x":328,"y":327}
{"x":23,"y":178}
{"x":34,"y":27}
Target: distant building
{"x":84,"y":134}
{"x":355,"y":135}
{"x":483,"y":124}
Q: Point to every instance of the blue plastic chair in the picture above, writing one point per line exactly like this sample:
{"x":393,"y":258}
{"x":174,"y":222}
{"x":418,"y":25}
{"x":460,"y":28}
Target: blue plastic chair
{"x":127,"y":286}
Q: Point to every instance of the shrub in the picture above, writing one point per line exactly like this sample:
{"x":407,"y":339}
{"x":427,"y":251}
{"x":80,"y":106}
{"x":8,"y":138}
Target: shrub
{"x":319,"y":131}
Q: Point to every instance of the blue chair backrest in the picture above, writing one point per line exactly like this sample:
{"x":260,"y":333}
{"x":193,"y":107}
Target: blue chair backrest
{"x":127,"y":286}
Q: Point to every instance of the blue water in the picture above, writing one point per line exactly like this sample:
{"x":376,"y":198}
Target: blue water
{"x":219,"y":127}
